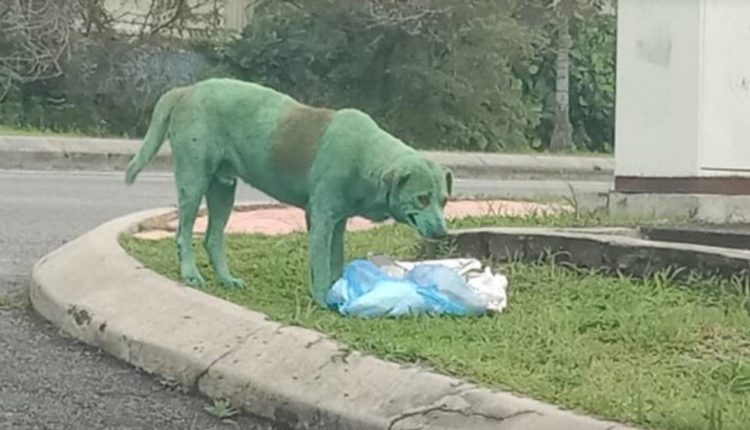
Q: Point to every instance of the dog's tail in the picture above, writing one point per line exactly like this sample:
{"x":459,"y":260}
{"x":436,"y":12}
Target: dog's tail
{"x":155,"y":135}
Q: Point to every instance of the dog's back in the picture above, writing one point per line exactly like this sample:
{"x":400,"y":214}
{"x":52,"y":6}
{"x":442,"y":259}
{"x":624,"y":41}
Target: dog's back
{"x":231,"y":128}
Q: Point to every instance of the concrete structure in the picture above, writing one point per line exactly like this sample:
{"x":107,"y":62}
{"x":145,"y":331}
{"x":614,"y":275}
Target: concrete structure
{"x":683,"y":97}
{"x":638,"y":252}
{"x":135,"y":16}
{"x":82,"y":153}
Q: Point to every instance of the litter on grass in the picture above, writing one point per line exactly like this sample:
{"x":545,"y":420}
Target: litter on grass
{"x":381,"y":286}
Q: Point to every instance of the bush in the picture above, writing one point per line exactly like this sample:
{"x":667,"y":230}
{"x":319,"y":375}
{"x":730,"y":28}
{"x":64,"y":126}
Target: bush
{"x":470,"y":76}
{"x":592,"y":84}
{"x":435,"y":79}
{"x":109,"y":87}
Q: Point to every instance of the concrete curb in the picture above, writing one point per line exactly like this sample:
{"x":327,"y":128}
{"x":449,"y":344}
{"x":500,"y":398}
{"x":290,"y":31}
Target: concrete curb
{"x":92,"y":289}
{"x":627,"y":250}
{"x":69,"y":153}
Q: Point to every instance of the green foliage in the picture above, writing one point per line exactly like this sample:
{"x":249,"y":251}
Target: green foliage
{"x":477,"y":75}
{"x":222,"y":409}
{"x":469,"y":77}
{"x":432,"y":76}
{"x":592,"y":84}
{"x":109,"y":87}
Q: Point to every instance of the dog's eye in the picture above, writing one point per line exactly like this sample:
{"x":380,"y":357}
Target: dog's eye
{"x":424,"y":200}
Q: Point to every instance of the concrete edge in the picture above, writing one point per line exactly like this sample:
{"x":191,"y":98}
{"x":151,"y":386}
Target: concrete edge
{"x":711,"y":208}
{"x":86,"y":154}
{"x":613,"y":250}
{"x":93,"y":290}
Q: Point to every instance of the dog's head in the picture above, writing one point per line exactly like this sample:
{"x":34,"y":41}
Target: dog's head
{"x":417,"y":191}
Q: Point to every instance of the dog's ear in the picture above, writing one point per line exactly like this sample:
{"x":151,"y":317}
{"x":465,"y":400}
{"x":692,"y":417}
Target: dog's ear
{"x":449,"y":182}
{"x":393,"y":180}
{"x":398,"y":180}
{"x":402,"y":179}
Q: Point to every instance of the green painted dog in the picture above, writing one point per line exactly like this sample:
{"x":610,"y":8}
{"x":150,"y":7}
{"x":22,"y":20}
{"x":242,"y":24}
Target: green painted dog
{"x":333,"y":164}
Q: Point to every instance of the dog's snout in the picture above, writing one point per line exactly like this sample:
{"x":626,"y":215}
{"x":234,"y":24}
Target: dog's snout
{"x":439,"y":235}
{"x":439,"y":232}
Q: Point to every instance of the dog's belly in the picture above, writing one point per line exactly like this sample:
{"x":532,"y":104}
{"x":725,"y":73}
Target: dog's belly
{"x":248,"y":160}
{"x":287,"y":196}
{"x":278,"y":185}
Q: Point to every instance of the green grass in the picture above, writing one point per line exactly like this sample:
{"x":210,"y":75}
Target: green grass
{"x":657,"y":353}
{"x":26,"y":131}
{"x":15,"y":131}
{"x":13,"y":300}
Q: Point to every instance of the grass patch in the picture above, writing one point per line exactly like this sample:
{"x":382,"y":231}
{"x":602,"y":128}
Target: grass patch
{"x":14,"y":300}
{"x":16,"y":131}
{"x":28,"y":131}
{"x":657,"y":353}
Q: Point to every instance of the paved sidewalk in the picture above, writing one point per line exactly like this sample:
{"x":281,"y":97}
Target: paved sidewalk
{"x":285,"y":220}
{"x":81,"y":153}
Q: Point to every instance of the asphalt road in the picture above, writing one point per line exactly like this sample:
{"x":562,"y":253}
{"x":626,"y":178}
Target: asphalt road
{"x":48,"y":381}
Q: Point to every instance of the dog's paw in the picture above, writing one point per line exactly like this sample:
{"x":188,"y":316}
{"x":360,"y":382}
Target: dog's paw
{"x":132,"y":170}
{"x":194,"y":280}
{"x":232,"y":283}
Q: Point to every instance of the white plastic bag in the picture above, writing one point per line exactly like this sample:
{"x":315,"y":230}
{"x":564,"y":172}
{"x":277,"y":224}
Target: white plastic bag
{"x":490,"y":286}
{"x":382,"y":286}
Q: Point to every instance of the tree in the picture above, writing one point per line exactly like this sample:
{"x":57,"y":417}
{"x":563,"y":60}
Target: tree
{"x":562,"y":13}
{"x":562,"y":133}
{"x":435,"y":72}
{"x":34,"y":37}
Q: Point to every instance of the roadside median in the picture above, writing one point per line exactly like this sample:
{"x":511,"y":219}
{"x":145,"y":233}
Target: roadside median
{"x":94,"y":154}
{"x":299,"y":378}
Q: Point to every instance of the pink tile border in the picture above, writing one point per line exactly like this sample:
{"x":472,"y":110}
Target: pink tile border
{"x":285,"y":220}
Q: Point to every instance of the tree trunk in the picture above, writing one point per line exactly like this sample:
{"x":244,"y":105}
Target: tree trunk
{"x":378,"y":81}
{"x":562,"y":134}
{"x":238,"y":13}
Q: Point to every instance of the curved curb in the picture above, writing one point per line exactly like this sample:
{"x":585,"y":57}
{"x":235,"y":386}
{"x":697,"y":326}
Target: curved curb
{"x":92,"y":289}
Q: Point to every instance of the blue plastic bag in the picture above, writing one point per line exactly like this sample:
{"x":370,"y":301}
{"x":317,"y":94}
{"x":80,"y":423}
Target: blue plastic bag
{"x":365,"y":291}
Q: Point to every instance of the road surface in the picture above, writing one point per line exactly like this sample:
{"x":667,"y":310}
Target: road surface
{"x":48,"y":381}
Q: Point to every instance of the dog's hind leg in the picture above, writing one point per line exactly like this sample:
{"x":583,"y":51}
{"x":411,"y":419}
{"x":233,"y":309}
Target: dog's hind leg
{"x":191,"y":187}
{"x":220,"y":201}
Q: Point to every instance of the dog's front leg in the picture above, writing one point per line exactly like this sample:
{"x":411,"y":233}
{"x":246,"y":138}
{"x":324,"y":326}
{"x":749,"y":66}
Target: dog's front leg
{"x":337,"y":250}
{"x":337,"y":246}
{"x":322,"y":225}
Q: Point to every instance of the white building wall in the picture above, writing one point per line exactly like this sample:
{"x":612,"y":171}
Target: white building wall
{"x":658,"y":47}
{"x":725,"y":110}
{"x":683,"y":88}
{"x":129,"y":15}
